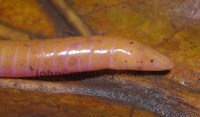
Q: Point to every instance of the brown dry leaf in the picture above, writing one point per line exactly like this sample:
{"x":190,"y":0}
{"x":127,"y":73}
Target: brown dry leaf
{"x":29,"y":16}
{"x":171,"y":27}
{"x":61,"y":105}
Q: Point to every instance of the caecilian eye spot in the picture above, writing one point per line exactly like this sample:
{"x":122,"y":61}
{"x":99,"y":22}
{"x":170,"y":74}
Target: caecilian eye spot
{"x":131,"y":51}
{"x":131,"y":42}
{"x":126,"y":61}
{"x":151,"y":60}
{"x":31,"y":68}
{"x":138,"y":61}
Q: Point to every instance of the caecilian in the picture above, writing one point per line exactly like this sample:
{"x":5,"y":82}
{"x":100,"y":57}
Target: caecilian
{"x":77,"y":54}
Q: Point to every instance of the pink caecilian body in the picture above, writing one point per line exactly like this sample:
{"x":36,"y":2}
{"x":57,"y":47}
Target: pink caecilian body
{"x":78,"y":54}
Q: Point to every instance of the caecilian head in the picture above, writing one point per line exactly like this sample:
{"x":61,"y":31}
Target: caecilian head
{"x":147,"y":59}
{"x":136,"y":56}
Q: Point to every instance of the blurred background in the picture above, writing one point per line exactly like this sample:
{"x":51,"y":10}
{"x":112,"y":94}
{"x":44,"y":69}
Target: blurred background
{"x":172,"y":27}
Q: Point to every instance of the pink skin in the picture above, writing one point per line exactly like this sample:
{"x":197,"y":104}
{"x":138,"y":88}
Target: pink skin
{"x":77,"y":54}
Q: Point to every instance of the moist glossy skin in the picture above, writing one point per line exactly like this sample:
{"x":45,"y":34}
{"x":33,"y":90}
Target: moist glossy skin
{"x":77,"y":54}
